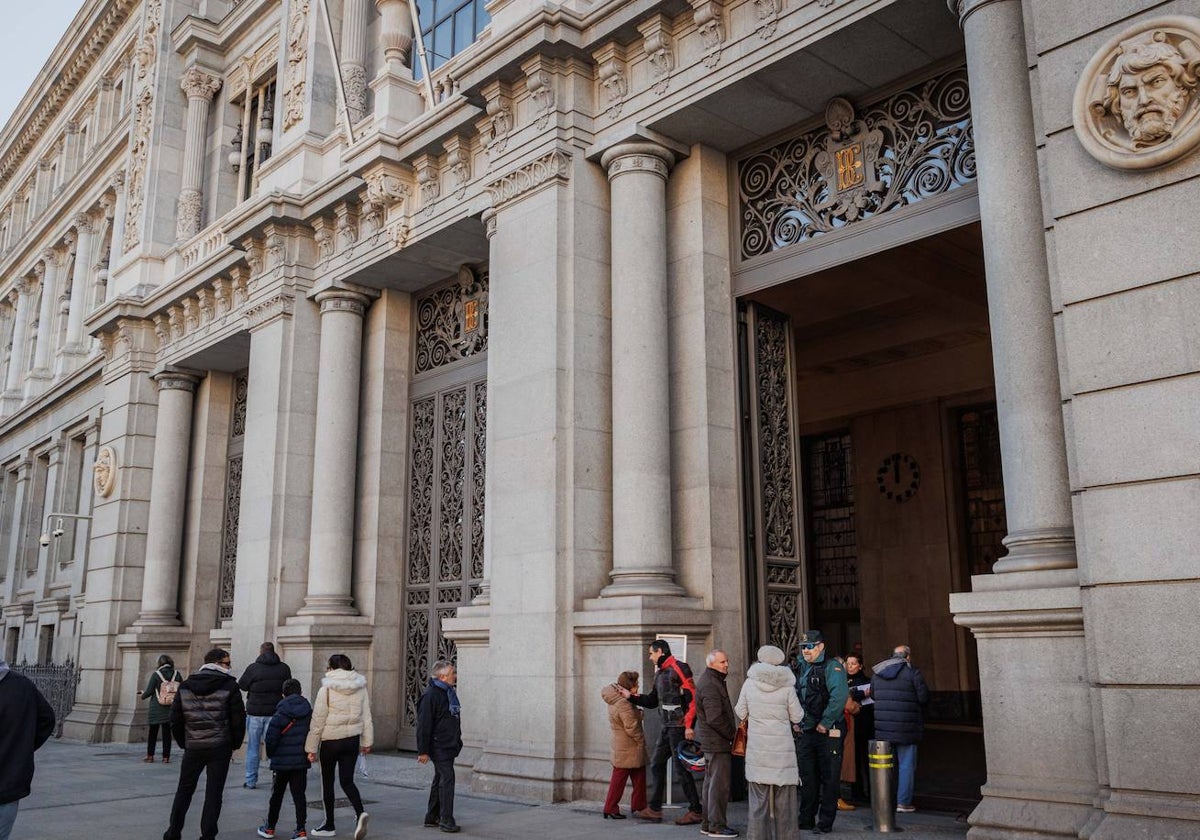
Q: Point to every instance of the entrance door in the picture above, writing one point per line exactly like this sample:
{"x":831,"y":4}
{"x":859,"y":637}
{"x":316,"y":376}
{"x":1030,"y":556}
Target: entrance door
{"x":448,"y":410}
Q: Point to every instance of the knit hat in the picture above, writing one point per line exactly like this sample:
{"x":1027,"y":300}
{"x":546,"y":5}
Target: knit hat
{"x":770,"y":655}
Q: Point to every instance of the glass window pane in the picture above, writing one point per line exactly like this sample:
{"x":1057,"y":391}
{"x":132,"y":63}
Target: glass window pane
{"x":464,"y":29}
{"x":481,"y":16}
{"x":425,"y":14}
{"x":442,"y":43}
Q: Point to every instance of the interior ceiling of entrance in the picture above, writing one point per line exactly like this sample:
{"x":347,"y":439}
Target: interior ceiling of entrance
{"x":900,"y":38}
{"x":910,"y":314}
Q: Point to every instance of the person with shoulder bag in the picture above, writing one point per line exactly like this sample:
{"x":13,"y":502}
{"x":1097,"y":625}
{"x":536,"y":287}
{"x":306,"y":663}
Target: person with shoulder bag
{"x":161,"y":689}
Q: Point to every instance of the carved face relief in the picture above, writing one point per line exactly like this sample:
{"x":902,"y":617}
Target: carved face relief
{"x":1137,"y":105}
{"x":104,"y":471}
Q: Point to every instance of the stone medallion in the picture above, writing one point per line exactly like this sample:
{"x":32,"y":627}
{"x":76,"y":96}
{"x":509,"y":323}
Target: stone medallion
{"x":1137,"y":104}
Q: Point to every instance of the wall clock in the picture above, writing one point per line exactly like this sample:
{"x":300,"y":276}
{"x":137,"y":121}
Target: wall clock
{"x":898,"y":477}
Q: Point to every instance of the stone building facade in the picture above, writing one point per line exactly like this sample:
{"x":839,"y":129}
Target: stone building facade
{"x":554,"y":327}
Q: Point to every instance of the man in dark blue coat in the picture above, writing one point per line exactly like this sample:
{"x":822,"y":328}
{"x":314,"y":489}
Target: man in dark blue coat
{"x":439,"y":738}
{"x":285,"y":736}
{"x":26,"y":721}
{"x":900,"y":696}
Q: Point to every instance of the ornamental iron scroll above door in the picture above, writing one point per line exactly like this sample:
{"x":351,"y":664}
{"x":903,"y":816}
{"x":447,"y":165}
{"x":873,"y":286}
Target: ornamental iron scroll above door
{"x":911,"y":146}
{"x":452,"y":321}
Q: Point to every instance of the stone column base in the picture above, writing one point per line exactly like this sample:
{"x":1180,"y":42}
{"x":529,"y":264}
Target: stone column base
{"x":305,"y":643}
{"x":1037,"y":715}
{"x":397,"y":101}
{"x":471,"y":633}
{"x":1146,"y":816}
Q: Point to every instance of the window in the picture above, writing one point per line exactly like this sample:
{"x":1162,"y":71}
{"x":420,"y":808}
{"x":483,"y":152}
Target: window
{"x":8,"y":518}
{"x":46,"y":644}
{"x":447,"y":28}
{"x":252,"y":141}
{"x":12,"y":643}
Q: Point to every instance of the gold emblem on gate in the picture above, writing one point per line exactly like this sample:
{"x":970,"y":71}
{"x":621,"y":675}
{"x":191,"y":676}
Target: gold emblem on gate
{"x":850,"y":166}
{"x":471,"y":315}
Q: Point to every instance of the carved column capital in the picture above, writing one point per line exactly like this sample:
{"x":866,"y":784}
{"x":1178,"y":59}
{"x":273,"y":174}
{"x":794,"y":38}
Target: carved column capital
{"x":117,"y":181}
{"x":175,"y":380}
{"x":342,"y":300}
{"x":82,"y":222}
{"x":198,"y":83}
{"x":49,"y":257}
{"x":637,"y":156}
{"x":488,"y":217}
{"x":962,"y":9}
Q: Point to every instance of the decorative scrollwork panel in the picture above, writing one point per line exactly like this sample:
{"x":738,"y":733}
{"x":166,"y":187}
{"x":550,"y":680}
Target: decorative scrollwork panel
{"x":416,"y":661}
{"x":452,"y":476}
{"x":912,"y":146}
{"x":775,"y":436}
{"x":229,"y":537}
{"x":479,"y":442}
{"x":452,"y":321}
{"x":420,"y":493}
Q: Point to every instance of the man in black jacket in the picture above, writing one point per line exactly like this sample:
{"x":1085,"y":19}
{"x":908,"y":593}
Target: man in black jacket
{"x":900,"y":696}
{"x":263,"y":683}
{"x":715,"y":728}
{"x":208,"y":720}
{"x":439,"y":737}
{"x":26,"y":721}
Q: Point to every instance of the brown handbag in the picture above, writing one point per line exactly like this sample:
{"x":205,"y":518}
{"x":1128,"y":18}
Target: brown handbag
{"x":740,"y":737}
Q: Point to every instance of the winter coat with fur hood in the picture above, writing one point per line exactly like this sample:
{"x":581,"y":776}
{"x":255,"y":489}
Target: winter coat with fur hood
{"x":769,"y":700}
{"x":341,"y":709}
{"x":625,"y":720}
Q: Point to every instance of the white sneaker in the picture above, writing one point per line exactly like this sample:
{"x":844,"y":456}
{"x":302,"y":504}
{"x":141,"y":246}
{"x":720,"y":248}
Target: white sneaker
{"x":360,"y":830}
{"x":322,"y":831}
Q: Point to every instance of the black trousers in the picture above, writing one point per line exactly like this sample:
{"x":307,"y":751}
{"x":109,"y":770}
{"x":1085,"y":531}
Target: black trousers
{"x":297,"y":780}
{"x":664,"y":751}
{"x":340,"y":754}
{"x":215,"y":765}
{"x":441,"y":792}
{"x":820,"y":760}
{"x":153,"y":739}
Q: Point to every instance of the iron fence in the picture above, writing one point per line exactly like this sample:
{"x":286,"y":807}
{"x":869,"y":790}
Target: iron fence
{"x":57,"y":684}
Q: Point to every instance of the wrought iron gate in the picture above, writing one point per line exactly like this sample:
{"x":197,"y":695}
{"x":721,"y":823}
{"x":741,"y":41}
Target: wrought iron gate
{"x":444,"y":566}
{"x":57,"y":683}
{"x":774,"y":572}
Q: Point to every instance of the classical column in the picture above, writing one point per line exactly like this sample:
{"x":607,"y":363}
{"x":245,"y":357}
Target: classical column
{"x":45,"y":335}
{"x":200,"y":87}
{"x":168,"y":493}
{"x":118,"y":220}
{"x":354,"y":57}
{"x":484,"y":598}
{"x":1033,"y":449}
{"x":331,"y":543}
{"x":17,"y":359}
{"x":83,"y":254}
{"x":641,"y":436}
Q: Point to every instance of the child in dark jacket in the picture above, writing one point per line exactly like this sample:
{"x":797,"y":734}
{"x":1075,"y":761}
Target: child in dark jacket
{"x":285,"y":747}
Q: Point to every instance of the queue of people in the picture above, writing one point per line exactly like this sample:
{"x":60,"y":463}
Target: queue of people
{"x":807,"y":728}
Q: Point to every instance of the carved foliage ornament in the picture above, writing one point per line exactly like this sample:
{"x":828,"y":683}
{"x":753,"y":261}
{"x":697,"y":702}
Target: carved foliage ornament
{"x":912,"y":146}
{"x":297,"y":64}
{"x":1137,"y":104}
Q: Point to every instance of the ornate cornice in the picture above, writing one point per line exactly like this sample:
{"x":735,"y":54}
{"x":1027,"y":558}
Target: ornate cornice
{"x":555,"y":166}
{"x":28,"y":125}
{"x":282,"y":305}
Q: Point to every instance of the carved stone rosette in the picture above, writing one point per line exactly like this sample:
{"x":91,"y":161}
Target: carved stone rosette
{"x":1137,"y":103}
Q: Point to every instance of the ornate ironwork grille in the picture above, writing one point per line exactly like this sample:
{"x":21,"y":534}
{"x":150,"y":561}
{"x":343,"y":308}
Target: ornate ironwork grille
{"x":233,"y":498}
{"x":829,"y":471}
{"x":774,"y":552}
{"x":444,"y":567}
{"x":983,"y":487}
{"x":57,"y":684}
{"x":909,"y":147}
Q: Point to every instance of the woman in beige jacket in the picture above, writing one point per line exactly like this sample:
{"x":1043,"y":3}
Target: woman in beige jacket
{"x":341,"y":729}
{"x":628,"y":746}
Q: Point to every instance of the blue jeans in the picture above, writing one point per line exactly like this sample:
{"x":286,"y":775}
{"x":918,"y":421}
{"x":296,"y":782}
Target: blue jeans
{"x":256,"y":728}
{"x":8,"y":816}
{"x":906,"y":761}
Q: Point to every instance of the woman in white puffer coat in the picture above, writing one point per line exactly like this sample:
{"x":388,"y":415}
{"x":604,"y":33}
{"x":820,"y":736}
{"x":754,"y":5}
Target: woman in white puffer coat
{"x":341,"y":729}
{"x":769,"y":701}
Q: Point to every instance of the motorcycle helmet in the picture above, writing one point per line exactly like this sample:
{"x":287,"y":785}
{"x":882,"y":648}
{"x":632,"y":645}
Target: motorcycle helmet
{"x":691,"y":757}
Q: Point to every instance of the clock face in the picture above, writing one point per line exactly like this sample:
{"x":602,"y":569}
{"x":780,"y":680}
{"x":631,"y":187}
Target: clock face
{"x":898,"y":477}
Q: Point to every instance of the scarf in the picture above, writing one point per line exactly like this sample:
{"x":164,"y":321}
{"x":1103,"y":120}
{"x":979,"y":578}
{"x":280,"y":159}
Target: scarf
{"x":452,"y":695}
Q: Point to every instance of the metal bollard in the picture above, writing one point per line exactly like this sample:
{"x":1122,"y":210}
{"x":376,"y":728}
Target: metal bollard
{"x":882,"y":762}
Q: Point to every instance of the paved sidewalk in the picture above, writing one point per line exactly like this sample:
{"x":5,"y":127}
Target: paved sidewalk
{"x":106,"y":791}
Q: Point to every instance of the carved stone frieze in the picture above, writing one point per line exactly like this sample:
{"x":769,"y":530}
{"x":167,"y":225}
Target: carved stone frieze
{"x":539,"y":81}
{"x":145,"y":55}
{"x":498,"y":125}
{"x":297,"y":64}
{"x":709,"y":18}
{"x":550,"y":167}
{"x":323,"y":237}
{"x":387,"y":187}
{"x":354,"y":80}
{"x":458,"y":160}
{"x":1137,"y":103}
{"x":768,"y":16}
{"x":659,"y":47}
{"x":613,"y":77}
{"x":428,"y":181}
{"x":347,"y":226}
{"x":282,"y":305}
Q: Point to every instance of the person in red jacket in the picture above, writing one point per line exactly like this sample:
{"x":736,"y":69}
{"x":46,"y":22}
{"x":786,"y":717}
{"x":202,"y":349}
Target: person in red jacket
{"x":673,"y":694}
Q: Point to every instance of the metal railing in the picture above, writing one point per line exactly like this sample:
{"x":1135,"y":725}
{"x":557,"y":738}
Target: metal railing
{"x":57,"y":684}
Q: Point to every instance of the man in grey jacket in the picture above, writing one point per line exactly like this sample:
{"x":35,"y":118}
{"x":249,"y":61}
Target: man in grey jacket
{"x":715,"y":728}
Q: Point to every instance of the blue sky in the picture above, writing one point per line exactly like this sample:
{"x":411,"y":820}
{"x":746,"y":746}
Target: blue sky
{"x":29,"y":33}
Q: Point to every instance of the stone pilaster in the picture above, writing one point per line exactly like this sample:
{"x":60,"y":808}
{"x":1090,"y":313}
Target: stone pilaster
{"x":1030,"y":609}
{"x":14,"y":378}
{"x":168,"y":494}
{"x":200,"y":86}
{"x":335,"y":455}
{"x":40,"y":376}
{"x":118,"y":221}
{"x":75,"y":348}
{"x":641,"y":436}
